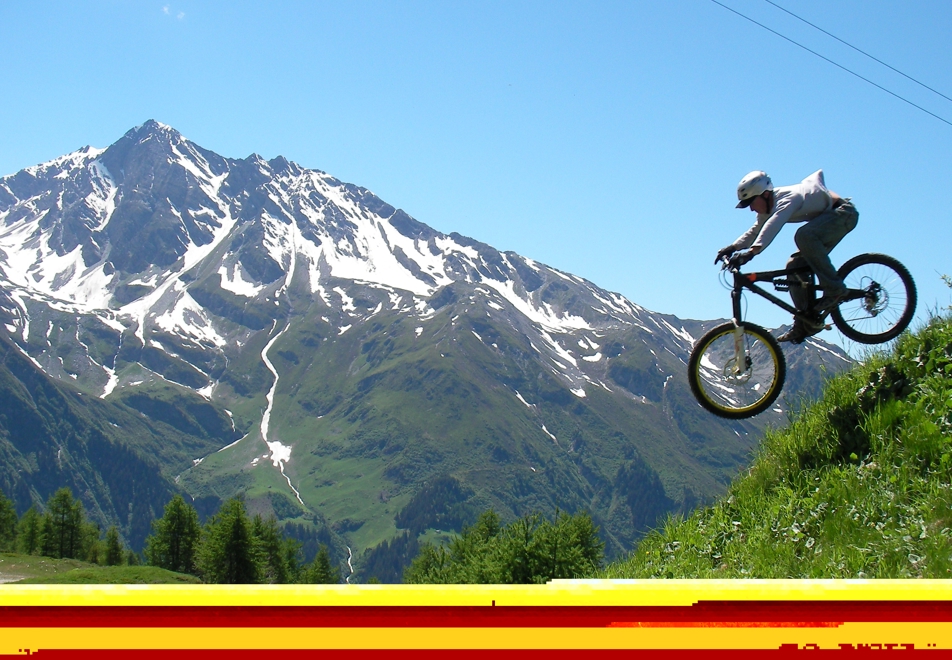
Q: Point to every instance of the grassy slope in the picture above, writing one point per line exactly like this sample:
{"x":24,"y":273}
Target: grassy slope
{"x":30,"y":569}
{"x":857,"y":486}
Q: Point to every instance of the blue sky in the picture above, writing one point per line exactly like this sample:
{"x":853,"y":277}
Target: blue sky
{"x":605,"y":139}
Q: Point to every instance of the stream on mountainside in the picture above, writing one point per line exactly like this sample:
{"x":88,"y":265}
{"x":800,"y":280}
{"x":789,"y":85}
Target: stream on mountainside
{"x":280,"y":453}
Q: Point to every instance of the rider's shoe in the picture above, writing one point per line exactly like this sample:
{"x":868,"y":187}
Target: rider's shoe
{"x":802,"y":328}
{"x":795,"y":335}
{"x":828,"y":302}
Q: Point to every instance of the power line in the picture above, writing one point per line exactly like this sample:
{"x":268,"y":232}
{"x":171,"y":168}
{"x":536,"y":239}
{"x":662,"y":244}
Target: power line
{"x":876,"y":59}
{"x":827,"y":59}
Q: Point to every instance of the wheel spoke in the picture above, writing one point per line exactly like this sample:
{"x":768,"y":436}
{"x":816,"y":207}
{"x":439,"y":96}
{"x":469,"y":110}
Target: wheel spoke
{"x":733,"y":385}
{"x":888,"y":304}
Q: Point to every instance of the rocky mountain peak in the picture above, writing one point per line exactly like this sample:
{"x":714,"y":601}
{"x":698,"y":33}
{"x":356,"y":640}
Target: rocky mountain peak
{"x":331,"y":326}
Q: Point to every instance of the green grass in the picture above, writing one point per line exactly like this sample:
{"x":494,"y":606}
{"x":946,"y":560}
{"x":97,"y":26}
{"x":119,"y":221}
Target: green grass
{"x":31,"y":569}
{"x":858,"y":486}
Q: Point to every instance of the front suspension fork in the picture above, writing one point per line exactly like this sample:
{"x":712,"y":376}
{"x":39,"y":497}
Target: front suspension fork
{"x":740,"y":356}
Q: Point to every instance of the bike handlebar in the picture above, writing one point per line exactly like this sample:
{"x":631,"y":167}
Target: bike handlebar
{"x":726,"y":265}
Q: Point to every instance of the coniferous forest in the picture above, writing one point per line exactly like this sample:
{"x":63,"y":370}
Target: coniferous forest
{"x":232,"y":547}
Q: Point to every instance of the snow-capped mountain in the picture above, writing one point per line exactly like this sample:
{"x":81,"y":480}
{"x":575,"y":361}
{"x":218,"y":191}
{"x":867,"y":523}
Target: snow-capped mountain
{"x":155,"y":265}
{"x":123,"y":234}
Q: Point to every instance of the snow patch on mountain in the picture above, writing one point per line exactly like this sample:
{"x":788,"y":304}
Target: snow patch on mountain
{"x":71,"y":161}
{"x":186,"y":317}
{"x":544,"y":316}
{"x":102,"y":199}
{"x":32,"y":264}
{"x":233,"y":280}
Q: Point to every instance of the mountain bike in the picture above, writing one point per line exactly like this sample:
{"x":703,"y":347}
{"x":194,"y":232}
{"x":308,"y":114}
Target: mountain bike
{"x":737,"y":369}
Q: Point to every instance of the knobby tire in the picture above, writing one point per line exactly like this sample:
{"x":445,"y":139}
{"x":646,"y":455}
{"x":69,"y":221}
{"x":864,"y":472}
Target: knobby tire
{"x":889,"y":305}
{"x":741,"y":393}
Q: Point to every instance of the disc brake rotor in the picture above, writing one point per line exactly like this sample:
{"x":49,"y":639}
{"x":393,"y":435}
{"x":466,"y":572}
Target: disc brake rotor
{"x":738,"y":375}
{"x":876,"y":299}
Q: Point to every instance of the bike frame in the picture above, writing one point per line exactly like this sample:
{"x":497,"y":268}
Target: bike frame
{"x":782,"y":280}
{"x":746,"y":281}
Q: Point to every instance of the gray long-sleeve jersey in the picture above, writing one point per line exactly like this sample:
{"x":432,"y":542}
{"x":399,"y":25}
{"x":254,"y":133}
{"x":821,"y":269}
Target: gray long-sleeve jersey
{"x":797,"y":203}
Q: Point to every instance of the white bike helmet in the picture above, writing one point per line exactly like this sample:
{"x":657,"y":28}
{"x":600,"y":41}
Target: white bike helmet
{"x":754,"y":184}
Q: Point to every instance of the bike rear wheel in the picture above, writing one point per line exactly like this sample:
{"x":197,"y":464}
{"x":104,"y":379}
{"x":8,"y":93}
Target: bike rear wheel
{"x":887,"y":304}
{"x":736,"y":376}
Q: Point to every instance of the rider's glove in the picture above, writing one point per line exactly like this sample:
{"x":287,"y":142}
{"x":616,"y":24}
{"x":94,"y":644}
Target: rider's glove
{"x":740,"y":259}
{"x":724,"y":252}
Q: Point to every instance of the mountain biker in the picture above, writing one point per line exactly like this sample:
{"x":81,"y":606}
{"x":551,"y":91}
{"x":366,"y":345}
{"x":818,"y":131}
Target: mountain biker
{"x":827,"y":217}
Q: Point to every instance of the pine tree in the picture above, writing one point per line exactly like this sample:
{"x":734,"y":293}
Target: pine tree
{"x":274,"y":553}
{"x":8,"y":524}
{"x":322,"y":570}
{"x":515,"y":558}
{"x":431,"y":566}
{"x":227,"y":551}
{"x":471,"y":556}
{"x":29,"y":532}
{"x":565,"y":548}
{"x":583,"y":535}
{"x":113,"y":551}
{"x":93,"y":547}
{"x":62,"y":528}
{"x":292,"y":558}
{"x":175,"y":538}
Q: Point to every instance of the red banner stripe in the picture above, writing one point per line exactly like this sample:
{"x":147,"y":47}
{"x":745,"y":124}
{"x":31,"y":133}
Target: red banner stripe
{"x":713,"y":614}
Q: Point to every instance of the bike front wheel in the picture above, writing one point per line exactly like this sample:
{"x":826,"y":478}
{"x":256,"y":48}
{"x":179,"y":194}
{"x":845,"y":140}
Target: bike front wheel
{"x":736,"y":372}
{"x":881,"y":300}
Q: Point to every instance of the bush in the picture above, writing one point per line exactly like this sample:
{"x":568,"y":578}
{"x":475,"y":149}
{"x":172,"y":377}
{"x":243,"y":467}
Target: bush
{"x":531,"y":550}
